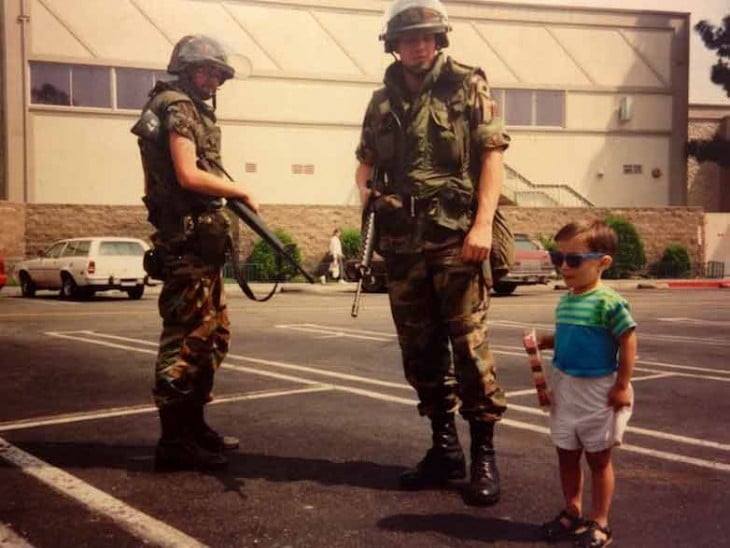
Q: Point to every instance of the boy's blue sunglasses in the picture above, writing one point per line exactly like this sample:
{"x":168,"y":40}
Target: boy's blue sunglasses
{"x":573,"y":260}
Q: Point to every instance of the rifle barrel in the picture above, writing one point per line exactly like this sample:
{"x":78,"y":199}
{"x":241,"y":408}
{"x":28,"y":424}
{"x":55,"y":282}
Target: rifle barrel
{"x":247,"y":215}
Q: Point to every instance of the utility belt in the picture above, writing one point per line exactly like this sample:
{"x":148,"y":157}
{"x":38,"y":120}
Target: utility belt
{"x":204,"y":234}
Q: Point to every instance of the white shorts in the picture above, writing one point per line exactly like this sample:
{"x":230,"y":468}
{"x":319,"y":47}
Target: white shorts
{"x":580,"y":417}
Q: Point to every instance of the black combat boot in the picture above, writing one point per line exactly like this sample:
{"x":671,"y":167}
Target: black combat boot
{"x":177,"y":448}
{"x":483,"y":488}
{"x":208,"y":438}
{"x":443,"y":462}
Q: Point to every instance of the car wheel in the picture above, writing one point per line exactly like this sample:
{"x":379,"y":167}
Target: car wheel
{"x":136,"y":292}
{"x":69,"y":289}
{"x":27,"y":287}
{"x":505,"y":288}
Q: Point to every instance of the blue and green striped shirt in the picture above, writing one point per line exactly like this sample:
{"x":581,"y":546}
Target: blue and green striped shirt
{"x":587,"y":328}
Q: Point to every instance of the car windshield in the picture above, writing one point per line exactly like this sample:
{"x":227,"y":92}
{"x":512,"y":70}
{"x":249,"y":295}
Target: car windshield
{"x":121,"y":248}
{"x":54,"y":251}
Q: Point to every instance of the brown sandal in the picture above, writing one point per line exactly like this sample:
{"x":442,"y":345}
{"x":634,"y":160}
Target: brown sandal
{"x":589,"y":539}
{"x":555,"y":530}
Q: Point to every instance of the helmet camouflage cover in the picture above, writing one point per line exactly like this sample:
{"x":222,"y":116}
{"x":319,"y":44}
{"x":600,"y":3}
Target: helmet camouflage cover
{"x":404,"y":16}
{"x":196,"y":50}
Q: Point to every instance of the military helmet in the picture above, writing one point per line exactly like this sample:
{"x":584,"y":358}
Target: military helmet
{"x":196,"y":50}
{"x":404,"y":16}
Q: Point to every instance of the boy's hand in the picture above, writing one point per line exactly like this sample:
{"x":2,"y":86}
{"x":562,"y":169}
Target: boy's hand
{"x":619,"y":397}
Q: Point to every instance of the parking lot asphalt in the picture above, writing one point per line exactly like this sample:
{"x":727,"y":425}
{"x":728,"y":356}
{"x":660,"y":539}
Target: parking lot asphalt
{"x":327,"y":424}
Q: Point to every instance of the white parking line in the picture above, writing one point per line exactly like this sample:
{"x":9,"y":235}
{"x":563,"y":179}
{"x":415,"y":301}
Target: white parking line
{"x":128,"y":518}
{"x":9,"y":539}
{"x":141,"y":409}
{"x":409,"y":401}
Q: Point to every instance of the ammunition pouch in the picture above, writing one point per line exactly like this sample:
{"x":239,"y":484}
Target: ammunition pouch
{"x":453,"y":208}
{"x":209,"y":234}
{"x":153,"y":263}
{"x":398,"y":227}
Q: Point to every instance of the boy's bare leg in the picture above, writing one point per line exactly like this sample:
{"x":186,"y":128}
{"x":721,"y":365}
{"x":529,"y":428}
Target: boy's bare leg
{"x":602,"y":485}
{"x":571,"y":480}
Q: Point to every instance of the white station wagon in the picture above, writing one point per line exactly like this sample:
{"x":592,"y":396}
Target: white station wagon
{"x":80,"y":267}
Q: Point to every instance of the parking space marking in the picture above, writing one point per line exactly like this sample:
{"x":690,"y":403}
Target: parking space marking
{"x":141,"y":409}
{"x":412,"y":402}
{"x":10,"y":539}
{"x":643,"y":431}
{"x":708,"y":341}
{"x":139,"y":524}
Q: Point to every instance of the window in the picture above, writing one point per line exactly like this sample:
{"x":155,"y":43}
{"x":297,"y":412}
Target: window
{"x":50,"y":84}
{"x":518,"y":107}
{"x":121,"y":248}
{"x":134,"y":85}
{"x":302,"y":169}
{"x":54,"y":251}
{"x":77,"y":249}
{"x":525,"y":107}
{"x":90,"y":86}
{"x":549,"y":108}
{"x":74,"y":85}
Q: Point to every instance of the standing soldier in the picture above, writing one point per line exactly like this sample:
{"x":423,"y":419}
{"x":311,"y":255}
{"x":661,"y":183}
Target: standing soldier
{"x":180,"y":147}
{"x":436,"y":142}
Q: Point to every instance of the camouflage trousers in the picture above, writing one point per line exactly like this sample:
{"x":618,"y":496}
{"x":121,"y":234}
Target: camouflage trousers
{"x":195,"y":332}
{"x":439,"y":305}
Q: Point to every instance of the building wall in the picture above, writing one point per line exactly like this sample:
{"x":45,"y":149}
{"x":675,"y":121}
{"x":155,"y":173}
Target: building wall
{"x":38,"y":225}
{"x":305,"y":99}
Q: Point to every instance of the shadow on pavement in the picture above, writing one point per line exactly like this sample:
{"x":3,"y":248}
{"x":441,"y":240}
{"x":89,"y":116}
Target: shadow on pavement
{"x":463,"y":527}
{"x":139,"y":459}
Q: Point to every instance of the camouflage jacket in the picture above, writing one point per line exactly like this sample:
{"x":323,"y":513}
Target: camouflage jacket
{"x":430,"y":145}
{"x":167,"y":202}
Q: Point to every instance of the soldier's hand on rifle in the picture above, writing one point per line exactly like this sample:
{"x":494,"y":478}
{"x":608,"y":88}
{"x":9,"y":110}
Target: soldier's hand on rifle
{"x":477,"y":243}
{"x":248,"y":199}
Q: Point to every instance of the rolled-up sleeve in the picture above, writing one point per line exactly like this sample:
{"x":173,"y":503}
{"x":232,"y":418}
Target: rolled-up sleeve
{"x":182,"y":118}
{"x":487,"y":127}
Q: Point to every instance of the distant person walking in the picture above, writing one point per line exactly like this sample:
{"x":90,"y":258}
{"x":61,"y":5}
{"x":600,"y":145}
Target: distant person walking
{"x":337,"y":265}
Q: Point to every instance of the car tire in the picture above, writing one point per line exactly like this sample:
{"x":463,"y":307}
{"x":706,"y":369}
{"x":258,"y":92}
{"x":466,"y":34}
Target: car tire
{"x":505,"y":288}
{"x":69,"y":289}
{"x":27,"y":287}
{"x":135,"y":293}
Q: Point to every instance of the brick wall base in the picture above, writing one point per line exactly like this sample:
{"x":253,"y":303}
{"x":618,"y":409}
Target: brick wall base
{"x":26,"y":228}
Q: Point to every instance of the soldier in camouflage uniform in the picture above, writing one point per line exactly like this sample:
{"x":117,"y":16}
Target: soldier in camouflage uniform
{"x":437,"y":144}
{"x":180,"y":147}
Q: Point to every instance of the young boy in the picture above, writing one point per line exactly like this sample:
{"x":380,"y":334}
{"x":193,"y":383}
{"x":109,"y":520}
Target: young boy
{"x":595,"y":349}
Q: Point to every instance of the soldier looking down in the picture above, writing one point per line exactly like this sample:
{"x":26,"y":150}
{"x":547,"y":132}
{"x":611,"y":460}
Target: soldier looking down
{"x":180,"y":146}
{"x":437,"y":143}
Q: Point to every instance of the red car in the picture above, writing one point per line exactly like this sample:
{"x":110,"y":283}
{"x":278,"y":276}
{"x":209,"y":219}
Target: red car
{"x":3,"y":276}
{"x":531,"y":266}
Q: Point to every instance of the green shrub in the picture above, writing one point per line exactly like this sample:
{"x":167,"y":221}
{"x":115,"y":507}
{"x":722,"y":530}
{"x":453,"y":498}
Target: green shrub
{"x":350,"y":239}
{"x":630,"y":258}
{"x":547,"y":242}
{"x":268,"y":264}
{"x":675,"y":262}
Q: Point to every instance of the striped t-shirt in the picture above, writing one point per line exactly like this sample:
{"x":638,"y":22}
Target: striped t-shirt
{"x":587,"y":328}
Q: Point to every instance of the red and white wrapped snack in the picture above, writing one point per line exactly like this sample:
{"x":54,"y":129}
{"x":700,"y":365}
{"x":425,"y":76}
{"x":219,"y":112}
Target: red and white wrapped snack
{"x":529,"y":339}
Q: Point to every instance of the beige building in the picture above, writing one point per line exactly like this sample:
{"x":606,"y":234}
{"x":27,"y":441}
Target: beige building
{"x":596,"y":100}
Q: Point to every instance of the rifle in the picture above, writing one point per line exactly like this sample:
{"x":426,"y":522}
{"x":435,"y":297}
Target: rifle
{"x":367,"y":246}
{"x":254,"y":222}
